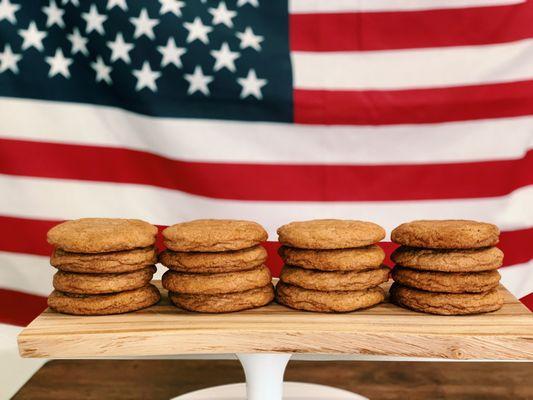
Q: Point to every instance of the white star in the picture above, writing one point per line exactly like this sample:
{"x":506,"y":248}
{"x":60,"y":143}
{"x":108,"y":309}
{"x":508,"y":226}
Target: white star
{"x":32,"y":37}
{"x":95,"y":21}
{"x":251,"y":85}
{"x":78,"y":42}
{"x":54,"y":15}
{"x":144,"y":25}
{"x":59,"y":64}
{"x":197,"y":30}
{"x":117,"y":3}
{"x":198,"y":81}
{"x":253,"y":3}
{"x":120,"y":49}
{"x":75,"y":3}
{"x":8,"y":10}
{"x":221,"y":15}
{"x":225,"y":58}
{"x":172,"y":6}
{"x":146,"y":77}
{"x":102,"y":70}
{"x":9,"y":60}
{"x":248,"y":39}
{"x":171,"y":54}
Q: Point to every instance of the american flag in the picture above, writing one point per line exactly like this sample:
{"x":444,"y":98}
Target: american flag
{"x":273,"y":111}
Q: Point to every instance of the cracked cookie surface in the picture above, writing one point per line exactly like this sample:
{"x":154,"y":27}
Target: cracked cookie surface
{"x":331,"y":301}
{"x":446,"y":234}
{"x":212,"y":235}
{"x":446,"y":303}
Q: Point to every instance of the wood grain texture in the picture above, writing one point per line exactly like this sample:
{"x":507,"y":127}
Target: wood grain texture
{"x":382,"y":330}
{"x":377,"y":380}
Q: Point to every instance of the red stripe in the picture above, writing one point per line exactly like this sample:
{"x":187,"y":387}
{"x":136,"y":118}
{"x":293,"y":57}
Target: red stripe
{"x":410,"y":29}
{"x":18,"y":308}
{"x":528,"y":301}
{"x":414,"y":106}
{"x":28,"y":236}
{"x":268,"y":182}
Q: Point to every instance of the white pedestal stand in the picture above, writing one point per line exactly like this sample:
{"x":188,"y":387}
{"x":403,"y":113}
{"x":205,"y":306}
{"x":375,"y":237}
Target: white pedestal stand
{"x":264,"y":381}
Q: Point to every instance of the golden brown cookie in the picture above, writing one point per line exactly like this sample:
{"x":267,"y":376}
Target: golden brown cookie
{"x":99,"y":235}
{"x":334,"y":301}
{"x":330,"y":234}
{"x":70,"y":282}
{"x":214,"y":235}
{"x":466,"y":260}
{"x":227,"y":282}
{"x":447,"y":282}
{"x":97,"y":263}
{"x":355,"y":259}
{"x":226,"y":302}
{"x":334,"y":281}
{"x":446,"y":303}
{"x":446,"y":234}
{"x":104,"y":304}
{"x":223,"y":261}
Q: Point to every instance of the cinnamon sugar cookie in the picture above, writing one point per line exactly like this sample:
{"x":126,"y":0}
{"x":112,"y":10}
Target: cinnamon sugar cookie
{"x":99,"y":235}
{"x":446,"y":234}
{"x":224,"y":302}
{"x":212,"y":235}
{"x":446,"y":303}
{"x":217,"y":262}
{"x":354,"y":259}
{"x":104,"y":304}
{"x":332,"y":301}
{"x":102,"y":283}
{"x":330,"y":234}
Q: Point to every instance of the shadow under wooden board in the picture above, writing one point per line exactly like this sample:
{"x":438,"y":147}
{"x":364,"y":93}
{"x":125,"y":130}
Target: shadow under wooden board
{"x":385,"y":330}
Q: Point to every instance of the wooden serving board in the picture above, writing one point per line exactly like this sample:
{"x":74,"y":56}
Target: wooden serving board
{"x":385,"y":330}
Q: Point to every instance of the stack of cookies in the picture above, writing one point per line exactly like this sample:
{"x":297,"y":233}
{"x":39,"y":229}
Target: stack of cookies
{"x":331,"y":265}
{"x":105,"y":266}
{"x":216,"y":266}
{"x":447,"y":267}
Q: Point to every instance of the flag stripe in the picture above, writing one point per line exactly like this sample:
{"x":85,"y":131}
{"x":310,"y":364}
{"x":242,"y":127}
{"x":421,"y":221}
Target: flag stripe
{"x":420,"y":106}
{"x":29,"y":236}
{"x":19,"y":308}
{"x":317,"y":6}
{"x":67,"y":199}
{"x":268,"y":182}
{"x":348,"y":31}
{"x":268,"y":143}
{"x":414,"y":68}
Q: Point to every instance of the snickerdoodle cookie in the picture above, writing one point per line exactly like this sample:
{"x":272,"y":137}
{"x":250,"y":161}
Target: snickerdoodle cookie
{"x":104,"y":304}
{"x":327,"y":301}
{"x":99,"y":235}
{"x":446,"y":303}
{"x":446,"y":234}
{"x":330,"y":234}
{"x":212,"y":235}
{"x":224,"y":302}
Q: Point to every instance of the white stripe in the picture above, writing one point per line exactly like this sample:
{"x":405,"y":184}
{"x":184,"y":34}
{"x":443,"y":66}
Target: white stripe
{"x":15,"y":370}
{"x":249,"y":142}
{"x":414,"y":68}
{"x":330,"y":6}
{"x":43,"y":198}
{"x":518,"y":278}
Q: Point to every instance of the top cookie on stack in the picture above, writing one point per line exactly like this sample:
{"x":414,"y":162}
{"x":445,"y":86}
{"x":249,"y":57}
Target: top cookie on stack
{"x":447,"y":266}
{"x":105,"y":266}
{"x":216,"y":265}
{"x":331,"y":265}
